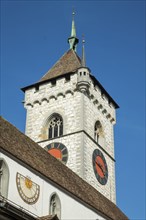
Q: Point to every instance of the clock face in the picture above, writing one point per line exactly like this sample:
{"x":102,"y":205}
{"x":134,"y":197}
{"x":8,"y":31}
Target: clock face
{"x":100,"y":166}
{"x":28,"y":190}
{"x":58,"y":150}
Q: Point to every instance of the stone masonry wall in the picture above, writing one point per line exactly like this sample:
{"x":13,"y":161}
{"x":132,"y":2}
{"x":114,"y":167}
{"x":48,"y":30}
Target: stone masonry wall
{"x":79,"y":112}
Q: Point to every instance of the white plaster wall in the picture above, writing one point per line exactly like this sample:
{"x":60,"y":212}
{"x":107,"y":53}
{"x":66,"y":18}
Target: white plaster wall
{"x":13,"y":194}
{"x":70,"y":208}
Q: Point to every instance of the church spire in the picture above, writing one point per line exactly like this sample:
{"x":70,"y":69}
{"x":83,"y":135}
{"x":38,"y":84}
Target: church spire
{"x":83,"y":52}
{"x":72,"y":40}
{"x":73,"y":28}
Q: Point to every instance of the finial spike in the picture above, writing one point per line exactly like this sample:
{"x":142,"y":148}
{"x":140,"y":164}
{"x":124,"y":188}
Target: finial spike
{"x":73,"y":29}
{"x":83,"y":52}
{"x":73,"y":13}
{"x":72,"y":39}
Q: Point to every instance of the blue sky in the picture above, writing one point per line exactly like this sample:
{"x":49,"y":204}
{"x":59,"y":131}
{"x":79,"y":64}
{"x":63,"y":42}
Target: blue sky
{"x":34,"y":36}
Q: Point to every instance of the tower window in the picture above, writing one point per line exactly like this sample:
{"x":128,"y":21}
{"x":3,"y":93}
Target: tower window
{"x":4,"y":178}
{"x":67,"y":78}
{"x":55,"y":206}
{"x":55,"y":126}
{"x":53,"y":82}
{"x":98,"y":131}
{"x":36,"y":88}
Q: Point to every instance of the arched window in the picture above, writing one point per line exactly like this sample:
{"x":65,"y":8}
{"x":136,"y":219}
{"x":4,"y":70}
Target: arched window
{"x":55,"y":206}
{"x":55,"y":126}
{"x":98,"y":133}
{"x":4,"y":178}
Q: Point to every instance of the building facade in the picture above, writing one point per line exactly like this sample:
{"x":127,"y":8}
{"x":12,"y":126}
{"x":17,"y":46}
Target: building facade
{"x":64,"y":167}
{"x":69,"y":107}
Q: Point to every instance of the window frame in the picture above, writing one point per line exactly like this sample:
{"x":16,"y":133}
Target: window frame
{"x":4,"y":177}
{"x":99,"y":135}
{"x":56,"y":203}
{"x":55,"y":126}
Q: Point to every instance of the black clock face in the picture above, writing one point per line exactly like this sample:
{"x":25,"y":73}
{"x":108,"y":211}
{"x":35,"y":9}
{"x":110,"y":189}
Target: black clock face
{"x":100,"y":166}
{"x":58,"y":150}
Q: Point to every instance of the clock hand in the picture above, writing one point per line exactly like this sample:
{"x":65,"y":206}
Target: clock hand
{"x":101,"y":167}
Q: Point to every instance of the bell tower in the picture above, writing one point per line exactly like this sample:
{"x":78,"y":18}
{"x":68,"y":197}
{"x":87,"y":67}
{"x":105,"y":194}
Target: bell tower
{"x":72,"y":116}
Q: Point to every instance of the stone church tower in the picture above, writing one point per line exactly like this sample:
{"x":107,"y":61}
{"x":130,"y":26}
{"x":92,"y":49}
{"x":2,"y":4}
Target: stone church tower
{"x":71,"y":115}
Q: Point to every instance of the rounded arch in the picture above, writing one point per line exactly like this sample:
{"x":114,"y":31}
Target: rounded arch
{"x":4,"y":177}
{"x":69,"y":92}
{"x":29,"y":105}
{"x":60,"y":94}
{"x":44,"y":100}
{"x":52,"y":97}
{"x":55,"y":205}
{"x":36,"y":102}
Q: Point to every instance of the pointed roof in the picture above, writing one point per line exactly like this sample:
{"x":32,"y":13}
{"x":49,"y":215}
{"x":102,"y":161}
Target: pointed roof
{"x":83,"y":53}
{"x":73,"y":40}
{"x":73,"y":28}
{"x":17,"y":145}
{"x":68,"y":63}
